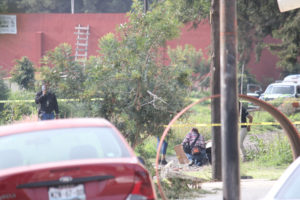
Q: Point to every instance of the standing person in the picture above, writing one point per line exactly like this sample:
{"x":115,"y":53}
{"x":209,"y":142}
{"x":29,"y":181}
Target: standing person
{"x":47,"y":103}
{"x":194,"y":140}
{"x":163,"y":151}
{"x":244,"y":129}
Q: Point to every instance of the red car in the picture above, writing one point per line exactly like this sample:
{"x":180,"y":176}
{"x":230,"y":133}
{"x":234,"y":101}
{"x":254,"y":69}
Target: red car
{"x":72,"y":159}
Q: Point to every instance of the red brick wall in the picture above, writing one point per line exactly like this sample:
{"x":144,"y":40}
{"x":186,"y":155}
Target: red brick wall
{"x":38,"y":33}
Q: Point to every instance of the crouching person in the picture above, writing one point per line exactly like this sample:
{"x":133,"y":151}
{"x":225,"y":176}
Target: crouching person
{"x":194,"y":148}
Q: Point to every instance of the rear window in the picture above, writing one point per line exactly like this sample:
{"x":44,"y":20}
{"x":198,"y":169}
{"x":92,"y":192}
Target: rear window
{"x":60,"y":145}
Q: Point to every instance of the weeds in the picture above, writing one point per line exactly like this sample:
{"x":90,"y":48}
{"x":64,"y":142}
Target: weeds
{"x":269,"y":156}
{"x":178,"y":188}
{"x":274,"y":152}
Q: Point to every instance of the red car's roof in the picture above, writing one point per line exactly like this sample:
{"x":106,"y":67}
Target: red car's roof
{"x":52,"y":124}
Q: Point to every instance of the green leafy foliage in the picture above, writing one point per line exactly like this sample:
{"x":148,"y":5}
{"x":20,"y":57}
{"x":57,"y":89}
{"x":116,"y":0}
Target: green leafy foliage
{"x":64,"y":75}
{"x":23,"y":73}
{"x":43,"y":6}
{"x":288,"y":49}
{"x":256,"y":20}
{"x":194,"y":11}
{"x":3,"y":6}
{"x":104,"y":6}
{"x":259,"y":19}
{"x":4,"y":90}
{"x":139,"y":93}
{"x":273,"y":153}
{"x":58,"y":6}
{"x":193,"y":62}
{"x":15,"y":111}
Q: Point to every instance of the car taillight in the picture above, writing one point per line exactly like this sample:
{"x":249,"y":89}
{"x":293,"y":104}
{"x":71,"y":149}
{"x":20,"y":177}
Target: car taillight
{"x":142,"y":188}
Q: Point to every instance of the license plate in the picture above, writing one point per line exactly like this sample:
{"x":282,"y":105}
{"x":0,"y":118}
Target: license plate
{"x":67,"y":193}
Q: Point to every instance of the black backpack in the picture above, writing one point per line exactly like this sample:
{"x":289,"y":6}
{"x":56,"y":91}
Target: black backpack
{"x":187,"y":148}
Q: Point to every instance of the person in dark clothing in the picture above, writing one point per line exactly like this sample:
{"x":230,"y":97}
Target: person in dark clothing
{"x":244,"y":129}
{"x":47,"y":104}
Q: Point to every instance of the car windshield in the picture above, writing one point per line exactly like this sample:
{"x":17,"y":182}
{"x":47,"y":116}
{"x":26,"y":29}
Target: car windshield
{"x":290,"y":189}
{"x":280,"y":89}
{"x":60,"y":145}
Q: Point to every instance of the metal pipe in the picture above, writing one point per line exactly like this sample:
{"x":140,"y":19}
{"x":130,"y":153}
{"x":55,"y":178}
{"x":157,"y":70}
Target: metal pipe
{"x":145,"y":6}
{"x":72,"y":6}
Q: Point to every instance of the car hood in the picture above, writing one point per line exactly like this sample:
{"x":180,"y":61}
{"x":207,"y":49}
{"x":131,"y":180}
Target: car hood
{"x":274,"y":96}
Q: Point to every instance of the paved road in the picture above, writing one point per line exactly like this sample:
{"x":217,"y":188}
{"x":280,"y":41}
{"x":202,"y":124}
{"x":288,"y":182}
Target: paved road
{"x":251,"y":189}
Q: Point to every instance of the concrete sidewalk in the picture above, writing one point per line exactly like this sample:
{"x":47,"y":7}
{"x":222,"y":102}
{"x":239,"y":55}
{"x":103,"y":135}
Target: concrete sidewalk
{"x":251,"y":189}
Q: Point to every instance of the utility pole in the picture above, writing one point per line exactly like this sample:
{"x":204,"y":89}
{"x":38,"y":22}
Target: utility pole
{"x":229,"y":108}
{"x":215,"y":89}
{"x":145,"y":6}
{"x":72,"y":6}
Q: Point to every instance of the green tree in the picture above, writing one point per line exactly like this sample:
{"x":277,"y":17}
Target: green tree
{"x":139,"y":94}
{"x":187,"y":11}
{"x":4,"y":90}
{"x":59,"y":6}
{"x":9,"y":6}
{"x":16,"y":111}
{"x":104,"y":6}
{"x":257,"y":20}
{"x":3,"y":6}
{"x":44,"y":6}
{"x":194,"y":61}
{"x":64,"y":75}
{"x":23,"y":73}
{"x":288,"y":49}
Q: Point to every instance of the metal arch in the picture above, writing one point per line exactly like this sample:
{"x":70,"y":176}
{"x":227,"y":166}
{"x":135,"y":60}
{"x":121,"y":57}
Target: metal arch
{"x":291,"y":131}
{"x":163,"y":196}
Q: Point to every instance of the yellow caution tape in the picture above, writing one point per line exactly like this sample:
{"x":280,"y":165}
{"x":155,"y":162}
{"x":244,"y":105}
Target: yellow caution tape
{"x":175,"y":125}
{"x":269,"y":101}
{"x":218,"y":124}
{"x":98,"y":99}
{"x":15,"y":101}
{"x":59,"y":100}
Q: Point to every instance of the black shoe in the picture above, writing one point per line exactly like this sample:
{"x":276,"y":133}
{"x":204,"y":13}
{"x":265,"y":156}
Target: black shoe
{"x":164,"y":162}
{"x":159,"y":161}
{"x":191,"y":163}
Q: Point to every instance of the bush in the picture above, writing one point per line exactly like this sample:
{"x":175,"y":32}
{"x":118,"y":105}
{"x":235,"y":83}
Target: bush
{"x":275,"y":152}
{"x":179,"y":188}
{"x":289,"y":106}
{"x":15,"y":111}
{"x":263,"y":116}
{"x":23,"y":73}
{"x":4,"y":92}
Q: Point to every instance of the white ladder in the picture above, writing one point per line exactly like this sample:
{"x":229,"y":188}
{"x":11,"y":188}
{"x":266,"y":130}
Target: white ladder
{"x":82,"y":43}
